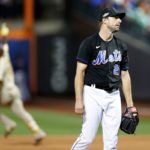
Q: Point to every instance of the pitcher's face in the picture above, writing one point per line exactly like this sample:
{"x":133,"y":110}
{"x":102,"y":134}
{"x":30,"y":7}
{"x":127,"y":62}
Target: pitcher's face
{"x":113,"y":23}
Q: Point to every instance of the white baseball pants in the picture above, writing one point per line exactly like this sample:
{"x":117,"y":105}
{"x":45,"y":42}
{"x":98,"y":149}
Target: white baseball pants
{"x":11,"y":94}
{"x":100,"y":107}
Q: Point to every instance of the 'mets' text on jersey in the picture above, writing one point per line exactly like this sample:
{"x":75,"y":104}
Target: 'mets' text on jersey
{"x":105,"y":60}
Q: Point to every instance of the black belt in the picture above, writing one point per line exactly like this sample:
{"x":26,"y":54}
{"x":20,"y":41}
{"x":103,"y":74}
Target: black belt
{"x":108,"y":89}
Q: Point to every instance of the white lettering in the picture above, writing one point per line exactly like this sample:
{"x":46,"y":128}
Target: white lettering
{"x":58,"y":78}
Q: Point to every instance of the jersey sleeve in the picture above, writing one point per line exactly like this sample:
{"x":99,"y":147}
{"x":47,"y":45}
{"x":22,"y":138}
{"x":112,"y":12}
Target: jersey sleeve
{"x":84,"y":53}
{"x":125,"y":59}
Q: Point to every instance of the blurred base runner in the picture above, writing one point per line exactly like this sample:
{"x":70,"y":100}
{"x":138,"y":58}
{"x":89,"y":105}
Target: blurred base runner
{"x":10,"y":94}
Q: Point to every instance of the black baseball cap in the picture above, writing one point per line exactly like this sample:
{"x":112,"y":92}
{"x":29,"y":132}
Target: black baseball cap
{"x":111,"y":12}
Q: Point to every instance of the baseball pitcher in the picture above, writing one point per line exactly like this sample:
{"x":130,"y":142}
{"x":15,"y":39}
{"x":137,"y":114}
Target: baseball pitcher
{"x":102,"y":68}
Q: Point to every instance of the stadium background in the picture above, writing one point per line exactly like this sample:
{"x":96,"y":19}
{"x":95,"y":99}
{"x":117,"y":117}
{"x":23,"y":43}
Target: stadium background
{"x":44,"y":39}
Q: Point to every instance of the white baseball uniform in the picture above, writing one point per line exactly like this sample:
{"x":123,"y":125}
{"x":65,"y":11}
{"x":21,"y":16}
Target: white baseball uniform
{"x":10,"y":94}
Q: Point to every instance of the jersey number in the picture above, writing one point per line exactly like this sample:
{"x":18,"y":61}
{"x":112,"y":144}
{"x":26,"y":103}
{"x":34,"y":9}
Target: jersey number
{"x":116,"y":70}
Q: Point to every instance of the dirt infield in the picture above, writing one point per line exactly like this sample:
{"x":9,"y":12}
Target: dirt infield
{"x":65,"y":142}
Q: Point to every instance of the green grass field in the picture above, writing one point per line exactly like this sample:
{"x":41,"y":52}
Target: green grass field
{"x":56,"y":123}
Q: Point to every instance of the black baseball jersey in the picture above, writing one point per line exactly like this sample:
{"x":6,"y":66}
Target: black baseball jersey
{"x":105,"y":60}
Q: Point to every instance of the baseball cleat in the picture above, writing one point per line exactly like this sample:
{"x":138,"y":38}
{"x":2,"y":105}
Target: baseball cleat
{"x":9,"y":130}
{"x":39,"y":136}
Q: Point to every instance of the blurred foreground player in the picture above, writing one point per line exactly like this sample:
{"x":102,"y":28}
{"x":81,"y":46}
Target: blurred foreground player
{"x":10,"y":94}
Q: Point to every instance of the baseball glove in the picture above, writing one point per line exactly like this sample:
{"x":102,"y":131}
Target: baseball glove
{"x":130,"y":120}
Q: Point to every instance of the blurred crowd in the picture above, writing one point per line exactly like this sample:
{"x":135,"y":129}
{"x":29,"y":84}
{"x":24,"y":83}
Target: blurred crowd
{"x":137,"y":10}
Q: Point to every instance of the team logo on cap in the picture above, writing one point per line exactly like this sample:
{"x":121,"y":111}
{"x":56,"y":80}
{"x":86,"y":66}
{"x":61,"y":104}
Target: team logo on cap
{"x":106,"y":14}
